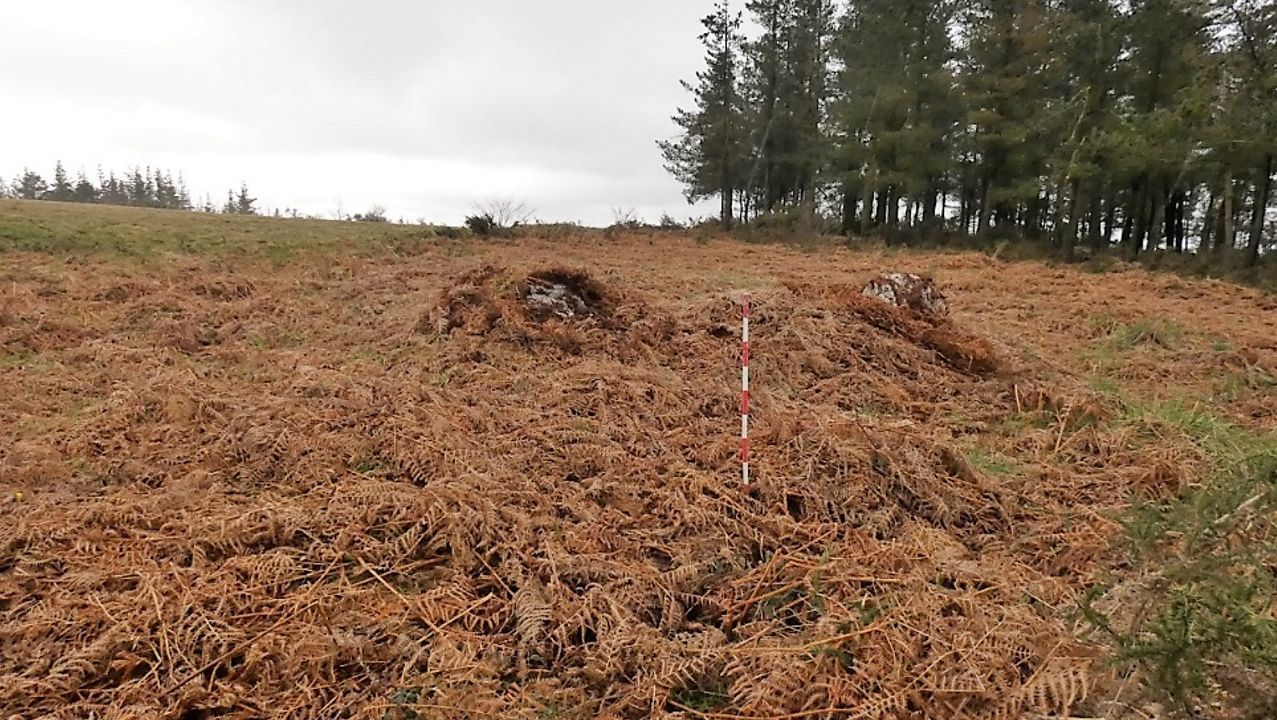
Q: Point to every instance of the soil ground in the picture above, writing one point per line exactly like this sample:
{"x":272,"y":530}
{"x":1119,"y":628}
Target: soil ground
{"x":276,"y":468}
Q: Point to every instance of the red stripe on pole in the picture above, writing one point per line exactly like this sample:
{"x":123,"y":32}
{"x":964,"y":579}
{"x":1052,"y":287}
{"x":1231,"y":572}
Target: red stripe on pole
{"x":744,"y":449}
{"x":744,"y":353}
{"x":744,"y":403}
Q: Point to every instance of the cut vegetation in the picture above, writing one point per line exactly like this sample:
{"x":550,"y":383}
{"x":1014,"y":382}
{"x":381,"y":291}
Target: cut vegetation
{"x":278,"y":468}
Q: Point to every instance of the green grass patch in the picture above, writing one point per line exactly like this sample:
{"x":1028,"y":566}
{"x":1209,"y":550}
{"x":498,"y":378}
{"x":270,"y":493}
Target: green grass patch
{"x":145,"y":233}
{"x":991,"y":463}
{"x":1221,"y":344}
{"x":1106,"y":386}
{"x":1122,"y":336}
{"x":1217,"y":436}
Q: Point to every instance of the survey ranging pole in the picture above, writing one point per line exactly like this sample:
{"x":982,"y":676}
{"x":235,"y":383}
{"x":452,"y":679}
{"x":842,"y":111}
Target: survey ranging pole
{"x":744,"y":389}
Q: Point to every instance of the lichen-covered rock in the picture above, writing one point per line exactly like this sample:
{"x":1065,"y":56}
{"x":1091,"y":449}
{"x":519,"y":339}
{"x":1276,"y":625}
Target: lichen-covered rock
{"x":907,"y":290}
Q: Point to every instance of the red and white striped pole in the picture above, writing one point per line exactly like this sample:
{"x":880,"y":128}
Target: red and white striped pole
{"x":744,"y":390}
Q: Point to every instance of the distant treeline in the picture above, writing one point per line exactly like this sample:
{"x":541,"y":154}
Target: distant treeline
{"x":138,"y":187}
{"x":1150,"y":124}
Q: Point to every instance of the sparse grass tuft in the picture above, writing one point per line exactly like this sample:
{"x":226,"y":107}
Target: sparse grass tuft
{"x":699,"y":699}
{"x":1216,"y":436}
{"x":1222,"y":345}
{"x":991,"y":463}
{"x":1237,"y":384}
{"x":1149,"y":331}
{"x":1106,"y":386}
{"x":1119,"y":335}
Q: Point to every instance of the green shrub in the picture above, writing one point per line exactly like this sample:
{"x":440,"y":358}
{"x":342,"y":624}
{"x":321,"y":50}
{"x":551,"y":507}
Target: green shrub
{"x":482,"y":225}
{"x":1200,"y":605}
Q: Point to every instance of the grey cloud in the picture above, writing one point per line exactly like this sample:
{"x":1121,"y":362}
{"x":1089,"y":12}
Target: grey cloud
{"x":560,"y":99}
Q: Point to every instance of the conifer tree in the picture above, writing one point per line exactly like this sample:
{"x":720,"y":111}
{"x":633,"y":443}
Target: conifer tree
{"x":1085,"y":48}
{"x":1251,"y":64}
{"x":243,"y":202}
{"x":708,"y":158}
{"x":1004,"y":64}
{"x":30,"y":186}
{"x":84,"y":192}
{"x":1172,"y":74}
{"x":61,"y":190}
{"x":897,"y":111}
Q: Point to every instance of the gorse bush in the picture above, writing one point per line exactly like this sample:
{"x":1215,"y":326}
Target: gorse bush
{"x":499,"y":217}
{"x":1201,"y":604}
{"x":482,"y":225}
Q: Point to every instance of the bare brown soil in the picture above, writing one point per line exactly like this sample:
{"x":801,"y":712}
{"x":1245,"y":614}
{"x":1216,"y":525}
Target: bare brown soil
{"x":413,"y":486}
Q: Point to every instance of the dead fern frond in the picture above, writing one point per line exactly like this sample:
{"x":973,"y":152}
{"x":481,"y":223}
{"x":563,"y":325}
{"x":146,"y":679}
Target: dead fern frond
{"x":532,"y":613}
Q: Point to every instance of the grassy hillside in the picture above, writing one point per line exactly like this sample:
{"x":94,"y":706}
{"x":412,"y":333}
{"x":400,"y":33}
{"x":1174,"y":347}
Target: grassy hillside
{"x":288,"y":468}
{"x":65,"y":228}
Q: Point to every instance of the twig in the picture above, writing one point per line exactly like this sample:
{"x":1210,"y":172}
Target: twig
{"x":1064,"y":425}
{"x":1241,"y":508}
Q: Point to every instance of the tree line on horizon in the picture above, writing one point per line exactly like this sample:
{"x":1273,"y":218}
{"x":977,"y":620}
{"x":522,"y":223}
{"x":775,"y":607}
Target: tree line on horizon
{"x":1144,"y":124}
{"x":153,"y":188}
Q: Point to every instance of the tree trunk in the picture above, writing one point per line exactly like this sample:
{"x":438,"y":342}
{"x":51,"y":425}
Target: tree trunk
{"x":929,"y":204}
{"x":867,"y":201}
{"x":725,"y":208}
{"x":1070,"y":223}
{"x":1259,"y":213}
{"x":1157,"y":210}
{"x":1093,"y":219}
{"x":1227,"y":239}
{"x":1128,"y":224}
{"x":1172,"y":207}
{"x":986,"y":208}
{"x":848,"y":208}
{"x":964,"y":208}
{"x":1180,"y":212}
{"x":1110,"y":217}
{"x":807,"y":216}
{"x":1137,"y":220}
{"x":1059,"y":216}
{"x":1208,"y":222}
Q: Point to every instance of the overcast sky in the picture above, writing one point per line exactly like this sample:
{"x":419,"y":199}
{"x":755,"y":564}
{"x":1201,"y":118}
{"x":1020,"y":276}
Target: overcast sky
{"x":424,"y":107}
